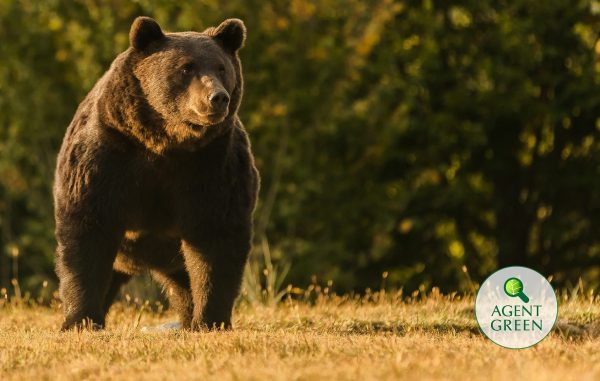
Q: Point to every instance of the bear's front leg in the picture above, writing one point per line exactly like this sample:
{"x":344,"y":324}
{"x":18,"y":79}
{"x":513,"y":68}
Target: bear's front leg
{"x":85,"y":255}
{"x":215,"y":263}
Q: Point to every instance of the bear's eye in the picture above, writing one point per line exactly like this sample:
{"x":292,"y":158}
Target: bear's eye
{"x":222,"y":69}
{"x":187,"y":69}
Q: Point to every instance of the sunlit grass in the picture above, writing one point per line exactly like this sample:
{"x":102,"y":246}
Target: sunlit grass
{"x":379,"y":336}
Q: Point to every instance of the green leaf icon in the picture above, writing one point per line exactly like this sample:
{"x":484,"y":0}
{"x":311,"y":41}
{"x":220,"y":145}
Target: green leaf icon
{"x":514,"y":287}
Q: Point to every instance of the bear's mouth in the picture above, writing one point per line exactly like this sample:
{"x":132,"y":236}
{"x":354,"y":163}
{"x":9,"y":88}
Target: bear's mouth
{"x":208,"y":118}
{"x":196,"y":127}
{"x":211,"y":119}
{"x":215,"y":116}
{"x":203,"y":121}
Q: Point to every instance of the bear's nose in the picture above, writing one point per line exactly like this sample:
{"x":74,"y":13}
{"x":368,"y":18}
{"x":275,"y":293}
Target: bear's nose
{"x":219,"y":100}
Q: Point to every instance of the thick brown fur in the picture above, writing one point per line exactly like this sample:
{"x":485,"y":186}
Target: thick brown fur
{"x":156,"y":172}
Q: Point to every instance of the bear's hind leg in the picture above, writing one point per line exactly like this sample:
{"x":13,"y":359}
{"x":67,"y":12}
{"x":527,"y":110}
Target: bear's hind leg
{"x":176,"y":286}
{"x":117,"y":280}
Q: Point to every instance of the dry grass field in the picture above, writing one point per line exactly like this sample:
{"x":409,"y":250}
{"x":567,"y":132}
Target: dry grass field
{"x":334,"y":338}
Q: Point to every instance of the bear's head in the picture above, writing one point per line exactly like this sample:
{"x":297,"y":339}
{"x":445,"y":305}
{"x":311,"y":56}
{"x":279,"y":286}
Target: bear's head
{"x":192,"y":80}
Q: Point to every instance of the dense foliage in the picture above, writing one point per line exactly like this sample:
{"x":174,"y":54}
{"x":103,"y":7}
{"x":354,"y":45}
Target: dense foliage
{"x":418,"y":139}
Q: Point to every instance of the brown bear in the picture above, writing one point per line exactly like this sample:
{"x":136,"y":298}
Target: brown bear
{"x":156,"y":172}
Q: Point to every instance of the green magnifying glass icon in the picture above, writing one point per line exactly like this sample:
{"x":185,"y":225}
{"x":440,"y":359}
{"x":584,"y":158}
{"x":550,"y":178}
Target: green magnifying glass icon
{"x":514,"y":287}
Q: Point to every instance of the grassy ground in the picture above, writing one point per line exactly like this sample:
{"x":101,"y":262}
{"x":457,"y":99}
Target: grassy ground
{"x":336,"y":338}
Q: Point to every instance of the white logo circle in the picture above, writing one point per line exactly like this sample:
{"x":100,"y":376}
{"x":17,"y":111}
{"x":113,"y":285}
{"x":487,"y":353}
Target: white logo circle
{"x":516,"y":307}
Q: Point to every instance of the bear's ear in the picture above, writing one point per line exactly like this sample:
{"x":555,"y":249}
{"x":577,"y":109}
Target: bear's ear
{"x":231,"y":34}
{"x":144,"y":30}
